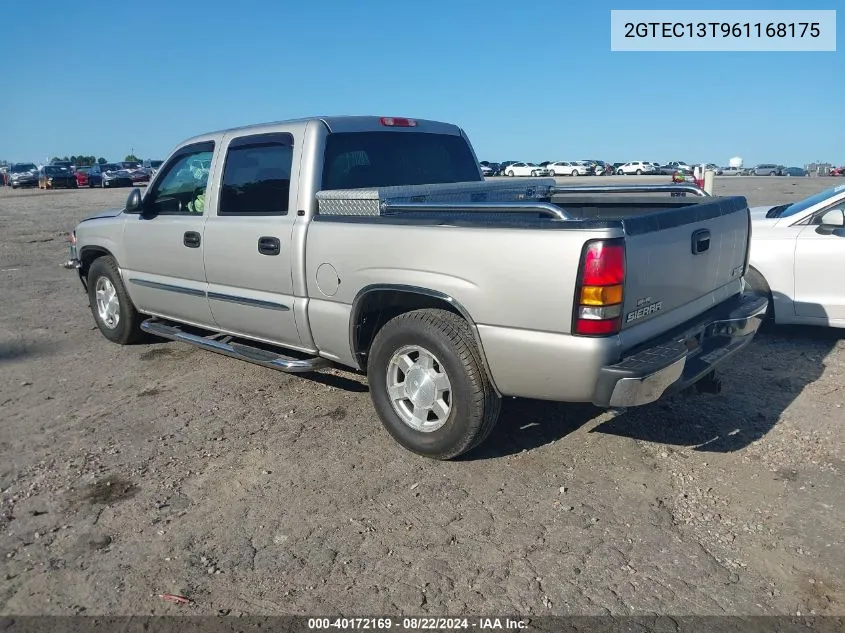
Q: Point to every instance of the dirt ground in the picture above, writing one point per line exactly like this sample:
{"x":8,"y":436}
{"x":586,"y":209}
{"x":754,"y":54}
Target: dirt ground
{"x":129,"y":472}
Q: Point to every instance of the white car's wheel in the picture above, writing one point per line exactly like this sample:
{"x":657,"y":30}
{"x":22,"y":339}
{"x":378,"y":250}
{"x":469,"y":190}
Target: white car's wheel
{"x":639,"y":172}
{"x":510,"y":173}
{"x":759,"y":285}
{"x":574,"y":172}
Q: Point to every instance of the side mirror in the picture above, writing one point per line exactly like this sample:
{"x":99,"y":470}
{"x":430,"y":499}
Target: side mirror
{"x":834,"y":218}
{"x":133,"y":202}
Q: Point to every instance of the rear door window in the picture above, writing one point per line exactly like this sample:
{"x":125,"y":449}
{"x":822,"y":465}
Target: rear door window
{"x":256,"y":175}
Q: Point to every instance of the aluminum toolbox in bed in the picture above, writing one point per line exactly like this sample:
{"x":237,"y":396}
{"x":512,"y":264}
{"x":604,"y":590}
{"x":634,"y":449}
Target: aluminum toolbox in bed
{"x":374,"y":201}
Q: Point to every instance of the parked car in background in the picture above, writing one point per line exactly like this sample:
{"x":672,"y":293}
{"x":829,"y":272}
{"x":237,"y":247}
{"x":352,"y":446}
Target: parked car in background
{"x":797,"y":255}
{"x":81,"y":174}
{"x":109,"y":175}
{"x":63,"y":163}
{"x":838,"y":171}
{"x":567,"y":168}
{"x":486,"y":170}
{"x":503,"y":167}
{"x":23,"y":175}
{"x":729,"y":171}
{"x":795,"y":171}
{"x":768,"y":169}
{"x":151,"y":166}
{"x":526,"y":169}
{"x":56,"y":176}
{"x":675,"y":166}
{"x":589,"y":165}
{"x":714,"y":168}
{"x":638,"y":167}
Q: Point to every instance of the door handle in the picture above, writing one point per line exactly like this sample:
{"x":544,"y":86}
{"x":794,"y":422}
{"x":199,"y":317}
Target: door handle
{"x":700,"y":241}
{"x":191,"y":239}
{"x":269,"y":245}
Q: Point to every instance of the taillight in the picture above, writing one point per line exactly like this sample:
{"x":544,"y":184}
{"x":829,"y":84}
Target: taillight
{"x":391,"y":121}
{"x":600,"y":291}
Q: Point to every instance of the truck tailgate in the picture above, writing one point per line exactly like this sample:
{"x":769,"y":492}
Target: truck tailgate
{"x":677,"y":256}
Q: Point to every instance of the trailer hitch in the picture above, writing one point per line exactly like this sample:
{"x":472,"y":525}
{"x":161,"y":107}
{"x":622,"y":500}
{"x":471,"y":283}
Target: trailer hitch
{"x":709,"y":384}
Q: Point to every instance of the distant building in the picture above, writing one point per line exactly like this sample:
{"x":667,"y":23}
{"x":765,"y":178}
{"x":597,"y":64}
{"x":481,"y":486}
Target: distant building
{"x":818,"y":169}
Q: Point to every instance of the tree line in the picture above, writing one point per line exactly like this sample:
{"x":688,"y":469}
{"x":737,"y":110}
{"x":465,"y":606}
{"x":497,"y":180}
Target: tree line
{"x":87,"y":161}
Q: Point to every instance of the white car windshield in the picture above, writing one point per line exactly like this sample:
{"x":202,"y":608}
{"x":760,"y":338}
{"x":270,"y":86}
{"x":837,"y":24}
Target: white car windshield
{"x":806,"y":203}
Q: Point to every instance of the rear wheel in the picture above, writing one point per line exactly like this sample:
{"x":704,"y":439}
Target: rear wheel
{"x":428,"y":384}
{"x":639,"y":172}
{"x":111,"y":306}
{"x":574,"y":172}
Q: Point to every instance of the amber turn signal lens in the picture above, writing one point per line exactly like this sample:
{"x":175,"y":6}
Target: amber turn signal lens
{"x":601,"y":295}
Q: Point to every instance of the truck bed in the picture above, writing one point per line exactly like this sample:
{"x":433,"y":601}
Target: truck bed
{"x":681,"y":251}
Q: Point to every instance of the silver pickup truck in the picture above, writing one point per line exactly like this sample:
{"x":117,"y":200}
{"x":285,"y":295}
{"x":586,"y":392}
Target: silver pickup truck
{"x":375,"y":243}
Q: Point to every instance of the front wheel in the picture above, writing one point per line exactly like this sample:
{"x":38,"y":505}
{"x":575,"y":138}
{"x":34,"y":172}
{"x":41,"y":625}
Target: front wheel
{"x":111,"y":306}
{"x":758,"y":284}
{"x":428,"y":384}
{"x":639,"y":172}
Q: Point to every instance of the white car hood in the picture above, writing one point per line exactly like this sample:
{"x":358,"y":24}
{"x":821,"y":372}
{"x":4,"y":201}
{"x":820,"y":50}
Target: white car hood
{"x":759,"y":213}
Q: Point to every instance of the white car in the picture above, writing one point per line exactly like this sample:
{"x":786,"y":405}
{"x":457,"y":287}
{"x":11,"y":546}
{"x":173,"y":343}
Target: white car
{"x":638,"y":167}
{"x":486,"y":170}
{"x":797,"y":255}
{"x":568,"y":168}
{"x":526,"y":169}
{"x":730,"y":171}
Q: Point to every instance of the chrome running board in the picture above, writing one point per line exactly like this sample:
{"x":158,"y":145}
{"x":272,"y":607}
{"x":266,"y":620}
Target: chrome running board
{"x":224,"y":344}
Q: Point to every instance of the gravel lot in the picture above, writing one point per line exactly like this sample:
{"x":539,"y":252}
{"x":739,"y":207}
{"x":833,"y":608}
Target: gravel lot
{"x":129,"y":472}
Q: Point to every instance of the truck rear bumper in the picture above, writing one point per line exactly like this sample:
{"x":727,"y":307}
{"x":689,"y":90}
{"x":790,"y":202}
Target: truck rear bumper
{"x":682,"y":357}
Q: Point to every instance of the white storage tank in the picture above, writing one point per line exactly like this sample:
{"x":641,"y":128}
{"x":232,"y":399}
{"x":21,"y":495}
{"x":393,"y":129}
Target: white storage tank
{"x":736,"y":161}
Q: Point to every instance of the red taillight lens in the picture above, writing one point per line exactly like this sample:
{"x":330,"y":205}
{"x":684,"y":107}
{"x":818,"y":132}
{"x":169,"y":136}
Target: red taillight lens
{"x":391,"y":121}
{"x":604,"y":264}
{"x":599,"y":296}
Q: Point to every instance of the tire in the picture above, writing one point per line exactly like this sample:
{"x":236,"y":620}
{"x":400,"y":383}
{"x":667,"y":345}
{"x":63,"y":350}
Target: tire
{"x":447,"y":341}
{"x":534,"y":173}
{"x":619,"y":172}
{"x":758,"y":284}
{"x":103,"y":275}
{"x":574,"y":173}
{"x":554,"y":173}
{"x":639,"y":172}
{"x":510,"y":173}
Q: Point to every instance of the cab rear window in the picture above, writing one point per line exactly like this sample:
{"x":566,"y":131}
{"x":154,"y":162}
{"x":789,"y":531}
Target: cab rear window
{"x":357,"y":160}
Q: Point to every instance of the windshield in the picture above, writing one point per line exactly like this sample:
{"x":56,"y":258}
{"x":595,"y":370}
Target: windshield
{"x":109,"y":167}
{"x":54,"y":169}
{"x":22,"y":167}
{"x":382,"y":159}
{"x":806,"y":203}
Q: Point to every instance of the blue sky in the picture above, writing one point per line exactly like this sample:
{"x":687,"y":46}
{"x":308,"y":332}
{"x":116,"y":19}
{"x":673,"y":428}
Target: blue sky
{"x":528,"y":81}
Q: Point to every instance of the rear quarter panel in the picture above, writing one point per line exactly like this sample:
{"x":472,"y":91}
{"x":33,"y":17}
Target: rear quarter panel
{"x":522,"y":279}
